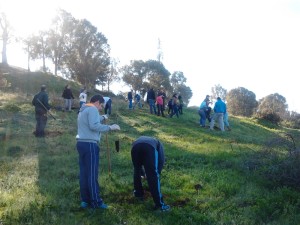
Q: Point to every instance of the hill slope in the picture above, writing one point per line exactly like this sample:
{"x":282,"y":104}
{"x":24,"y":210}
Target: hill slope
{"x":246,"y":176}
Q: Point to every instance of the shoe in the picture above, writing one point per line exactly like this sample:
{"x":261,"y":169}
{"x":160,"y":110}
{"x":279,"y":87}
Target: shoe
{"x":163,"y":208}
{"x":84,"y":205}
{"x":102,"y":206}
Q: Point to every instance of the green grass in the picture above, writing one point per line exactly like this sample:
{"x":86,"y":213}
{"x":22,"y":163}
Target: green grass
{"x":236,"y":171}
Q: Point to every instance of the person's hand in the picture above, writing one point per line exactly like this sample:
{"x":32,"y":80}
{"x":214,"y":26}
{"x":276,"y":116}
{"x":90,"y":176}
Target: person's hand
{"x":105,"y":116}
{"x":114,"y":127}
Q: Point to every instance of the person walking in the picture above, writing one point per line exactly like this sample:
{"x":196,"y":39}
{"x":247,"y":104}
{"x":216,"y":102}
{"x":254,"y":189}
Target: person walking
{"x":40,"y":102}
{"x":90,"y":127}
{"x":148,"y":153}
{"x":107,"y":105}
{"x":219,"y":110}
{"x":68,"y":97}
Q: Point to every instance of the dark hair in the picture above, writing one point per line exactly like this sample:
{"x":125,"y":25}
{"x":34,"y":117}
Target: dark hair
{"x":96,"y":98}
{"x":43,"y":87}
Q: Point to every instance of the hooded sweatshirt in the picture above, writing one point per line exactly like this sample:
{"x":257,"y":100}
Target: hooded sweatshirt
{"x":89,"y":124}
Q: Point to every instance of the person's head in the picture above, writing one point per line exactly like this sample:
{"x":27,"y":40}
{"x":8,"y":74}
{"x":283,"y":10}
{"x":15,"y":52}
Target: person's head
{"x":98,"y":101}
{"x":219,"y":99}
{"x":43,"y":87}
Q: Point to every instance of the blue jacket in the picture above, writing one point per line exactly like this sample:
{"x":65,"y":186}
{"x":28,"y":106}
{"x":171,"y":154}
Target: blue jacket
{"x":220,"y":107}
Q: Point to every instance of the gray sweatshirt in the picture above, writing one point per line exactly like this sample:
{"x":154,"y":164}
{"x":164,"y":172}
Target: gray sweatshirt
{"x":89,"y":124}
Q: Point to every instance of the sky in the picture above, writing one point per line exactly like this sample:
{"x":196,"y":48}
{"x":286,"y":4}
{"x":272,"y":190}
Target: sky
{"x":253,"y":44}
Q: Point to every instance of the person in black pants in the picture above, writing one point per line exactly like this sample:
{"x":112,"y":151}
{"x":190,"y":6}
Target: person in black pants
{"x":40,"y":102}
{"x":148,"y":153}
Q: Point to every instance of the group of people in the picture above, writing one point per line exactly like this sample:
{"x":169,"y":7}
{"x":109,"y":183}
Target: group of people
{"x":157,"y":102}
{"x":220,"y":114}
{"x":147,"y":153}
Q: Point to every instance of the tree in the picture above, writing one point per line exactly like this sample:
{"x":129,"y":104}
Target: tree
{"x":59,"y":37}
{"x":273,"y":107}
{"x":158,"y":76}
{"x":185,"y":92}
{"x":36,"y":48}
{"x":87,"y":55}
{"x":241,"y":102}
{"x":113,"y":74}
{"x":178,"y":81}
{"x":218,"y":91}
{"x":5,"y":35}
{"x":134,"y":75}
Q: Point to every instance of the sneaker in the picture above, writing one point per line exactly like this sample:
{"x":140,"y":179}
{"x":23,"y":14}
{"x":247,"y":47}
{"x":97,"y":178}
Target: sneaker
{"x":163,"y":208}
{"x":84,"y":205}
{"x":102,"y":206}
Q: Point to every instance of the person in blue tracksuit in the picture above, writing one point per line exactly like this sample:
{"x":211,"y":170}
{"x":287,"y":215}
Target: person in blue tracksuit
{"x":148,"y":153}
{"x":90,"y":127}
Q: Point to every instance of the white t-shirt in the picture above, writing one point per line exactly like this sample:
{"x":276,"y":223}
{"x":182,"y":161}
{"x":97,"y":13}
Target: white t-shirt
{"x":82,"y":97}
{"x":106,"y":100}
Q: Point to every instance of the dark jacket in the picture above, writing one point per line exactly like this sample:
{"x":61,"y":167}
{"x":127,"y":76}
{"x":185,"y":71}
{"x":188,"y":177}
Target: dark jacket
{"x":151,"y":95}
{"x":40,"y":101}
{"x":67,"y":94}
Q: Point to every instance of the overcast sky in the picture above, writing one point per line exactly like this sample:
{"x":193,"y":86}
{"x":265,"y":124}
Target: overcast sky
{"x":253,"y":44}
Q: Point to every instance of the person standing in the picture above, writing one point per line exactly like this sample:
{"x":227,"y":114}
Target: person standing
{"x":90,"y":127}
{"x":151,"y":100}
{"x":68,"y":97}
{"x":82,"y":98}
{"x":180,"y":107}
{"x":130,"y":97}
{"x":148,"y":153}
{"x":174,"y":106}
{"x":226,"y":123}
{"x":219,"y":110}
{"x":159,"y":104}
{"x":40,"y":102}
{"x":107,"y":105}
{"x":202,"y":113}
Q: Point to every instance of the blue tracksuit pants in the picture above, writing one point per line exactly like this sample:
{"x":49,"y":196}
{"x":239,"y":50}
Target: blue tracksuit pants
{"x":89,"y":164}
{"x":143,"y":154}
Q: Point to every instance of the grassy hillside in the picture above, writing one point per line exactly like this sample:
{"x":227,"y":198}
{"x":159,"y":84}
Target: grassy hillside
{"x":247,"y":176}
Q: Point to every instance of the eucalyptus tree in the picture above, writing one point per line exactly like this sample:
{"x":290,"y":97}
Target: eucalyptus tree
{"x":5,"y":35}
{"x":218,"y":91}
{"x":178,"y":83}
{"x":241,"y":102}
{"x":113,"y":74}
{"x":87,"y":55}
{"x":59,"y":37}
{"x":36,"y":48}
{"x":134,"y":74}
{"x":158,"y":76}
